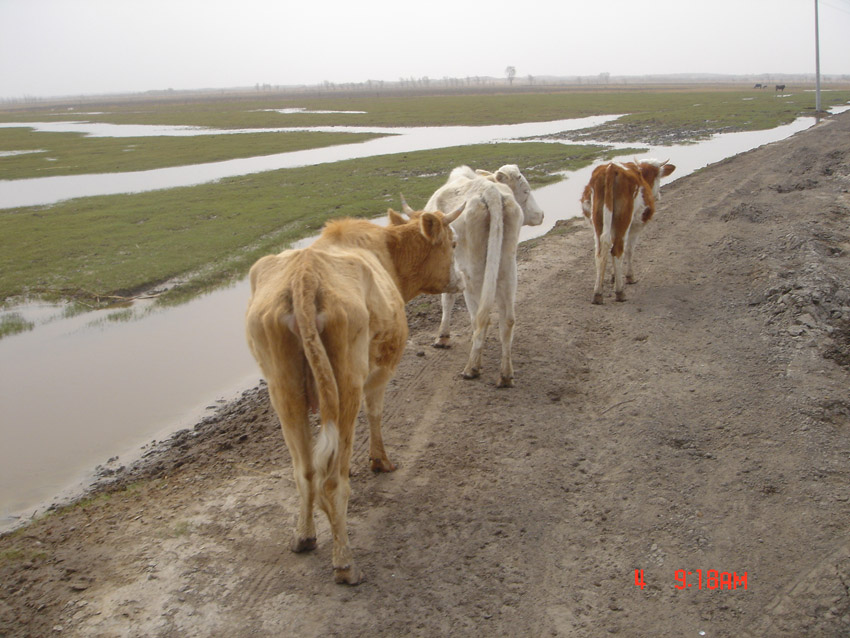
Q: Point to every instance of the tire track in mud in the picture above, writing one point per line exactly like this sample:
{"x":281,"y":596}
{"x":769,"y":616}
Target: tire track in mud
{"x":414,"y":379}
{"x":457,"y":520}
{"x":824,"y":592}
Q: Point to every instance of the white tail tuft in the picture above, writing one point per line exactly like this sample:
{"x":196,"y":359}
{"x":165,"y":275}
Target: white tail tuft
{"x":325,"y":451}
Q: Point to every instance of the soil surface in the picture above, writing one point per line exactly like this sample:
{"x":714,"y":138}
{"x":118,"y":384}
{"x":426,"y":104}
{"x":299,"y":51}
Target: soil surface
{"x":703,"y":425}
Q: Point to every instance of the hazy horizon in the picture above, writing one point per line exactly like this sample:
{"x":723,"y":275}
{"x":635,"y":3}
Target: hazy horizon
{"x":56,"y":48}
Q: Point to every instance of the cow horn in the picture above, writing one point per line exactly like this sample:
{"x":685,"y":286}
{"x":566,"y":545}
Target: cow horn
{"x":404,"y":207}
{"x":453,"y":216}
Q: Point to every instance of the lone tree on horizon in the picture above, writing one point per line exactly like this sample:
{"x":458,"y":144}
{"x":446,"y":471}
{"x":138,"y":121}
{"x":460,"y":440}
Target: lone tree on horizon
{"x":510,"y":73}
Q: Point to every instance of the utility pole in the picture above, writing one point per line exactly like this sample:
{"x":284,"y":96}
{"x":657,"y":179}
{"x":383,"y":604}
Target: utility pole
{"x":817,"y":61}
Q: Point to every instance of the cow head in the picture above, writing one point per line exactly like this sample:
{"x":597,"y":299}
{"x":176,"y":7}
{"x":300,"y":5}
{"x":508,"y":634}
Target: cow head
{"x":532,"y":214}
{"x":435,"y":267}
{"x":652,"y":170}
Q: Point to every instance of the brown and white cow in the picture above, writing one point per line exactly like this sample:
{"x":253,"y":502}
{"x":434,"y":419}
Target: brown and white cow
{"x":497,"y":205}
{"x":618,"y":202}
{"x":327,"y":325}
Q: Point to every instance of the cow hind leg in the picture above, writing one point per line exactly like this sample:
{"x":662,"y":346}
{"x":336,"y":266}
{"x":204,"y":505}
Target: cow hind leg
{"x":506,"y":333}
{"x":292,"y":412}
{"x":619,"y":282}
{"x":480,"y":322}
{"x":479,"y":334}
{"x":506,"y":298}
{"x":602,"y":249}
{"x":373,"y":394}
{"x":627,"y":258}
{"x":447,"y":301}
{"x":473,"y":365}
{"x":334,"y":488}
{"x":333,"y":448}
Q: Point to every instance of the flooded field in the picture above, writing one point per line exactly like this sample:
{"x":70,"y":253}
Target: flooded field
{"x":79,"y":391}
{"x":49,"y":190}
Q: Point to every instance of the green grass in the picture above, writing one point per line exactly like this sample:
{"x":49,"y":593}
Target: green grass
{"x":698,"y":112}
{"x":17,"y":555}
{"x":77,"y":154}
{"x":673,"y":105}
{"x":119,"y":245}
{"x":696,"y":116}
{"x":89,"y":248}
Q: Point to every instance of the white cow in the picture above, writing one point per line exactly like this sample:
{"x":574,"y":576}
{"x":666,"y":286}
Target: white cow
{"x":497,"y":205}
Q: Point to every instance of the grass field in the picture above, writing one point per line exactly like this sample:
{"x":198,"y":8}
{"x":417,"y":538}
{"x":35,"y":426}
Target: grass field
{"x":98,"y":246}
{"x":75,"y":154}
{"x":94,"y":247}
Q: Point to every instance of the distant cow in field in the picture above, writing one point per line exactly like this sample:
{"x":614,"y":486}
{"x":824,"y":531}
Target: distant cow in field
{"x":497,"y":205}
{"x":327,"y":325}
{"x":780,"y":87}
{"x":618,"y":202}
{"x":758,"y":86}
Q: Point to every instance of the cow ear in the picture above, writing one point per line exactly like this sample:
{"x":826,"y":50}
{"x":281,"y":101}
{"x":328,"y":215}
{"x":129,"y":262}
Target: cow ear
{"x":396,"y":219}
{"x":668,"y":168}
{"x":508,"y":174}
{"x":431,"y":227}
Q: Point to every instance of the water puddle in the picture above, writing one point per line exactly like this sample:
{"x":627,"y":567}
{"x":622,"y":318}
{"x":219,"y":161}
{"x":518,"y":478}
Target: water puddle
{"x":76,"y":391}
{"x":299,"y":109}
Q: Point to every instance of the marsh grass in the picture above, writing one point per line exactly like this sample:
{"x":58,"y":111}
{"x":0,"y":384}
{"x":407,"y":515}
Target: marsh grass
{"x":210,"y":234}
{"x":750,"y":108}
{"x":21,"y":555}
{"x":14,"y":323}
{"x":78,"y":154}
{"x":207,"y":235}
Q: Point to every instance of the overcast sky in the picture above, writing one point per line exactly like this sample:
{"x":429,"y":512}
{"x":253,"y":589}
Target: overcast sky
{"x":76,"y":47}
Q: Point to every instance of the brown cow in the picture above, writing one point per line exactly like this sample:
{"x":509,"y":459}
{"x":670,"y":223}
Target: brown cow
{"x":327,"y":326}
{"x":618,"y":202}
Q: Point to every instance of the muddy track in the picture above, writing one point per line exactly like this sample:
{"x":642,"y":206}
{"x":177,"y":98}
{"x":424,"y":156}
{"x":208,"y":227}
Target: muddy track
{"x":700,"y":425}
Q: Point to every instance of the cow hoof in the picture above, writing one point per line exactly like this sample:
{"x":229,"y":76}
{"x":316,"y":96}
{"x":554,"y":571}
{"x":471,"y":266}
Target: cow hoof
{"x":597,"y":299}
{"x":472,"y":374}
{"x":303,"y":545}
{"x":442,"y":342}
{"x":381,"y":465}
{"x":348,"y":575}
{"x":620,"y":295}
{"x":505,"y":382}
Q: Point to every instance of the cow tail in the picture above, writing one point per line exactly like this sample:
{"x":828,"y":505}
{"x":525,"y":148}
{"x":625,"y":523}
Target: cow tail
{"x":310,"y":325}
{"x":494,"y":255}
{"x":587,"y":202}
{"x":608,"y":203}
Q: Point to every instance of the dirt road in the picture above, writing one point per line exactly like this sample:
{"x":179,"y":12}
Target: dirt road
{"x":703,"y":425}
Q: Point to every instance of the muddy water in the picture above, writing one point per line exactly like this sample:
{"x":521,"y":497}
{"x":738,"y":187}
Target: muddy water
{"x":75,"y":392}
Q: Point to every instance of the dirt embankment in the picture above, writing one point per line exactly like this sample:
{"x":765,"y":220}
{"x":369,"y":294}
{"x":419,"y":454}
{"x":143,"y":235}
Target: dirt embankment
{"x":701,"y":425}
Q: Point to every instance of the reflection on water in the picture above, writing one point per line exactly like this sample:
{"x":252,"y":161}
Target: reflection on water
{"x":76,"y":391}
